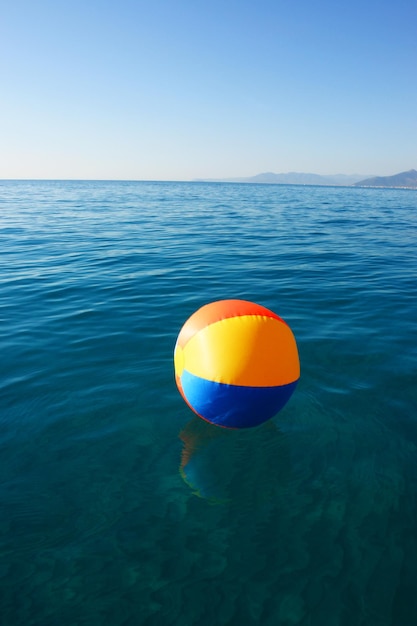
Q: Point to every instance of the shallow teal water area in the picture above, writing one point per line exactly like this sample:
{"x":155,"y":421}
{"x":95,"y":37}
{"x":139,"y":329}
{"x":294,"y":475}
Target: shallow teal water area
{"x":118,"y":506}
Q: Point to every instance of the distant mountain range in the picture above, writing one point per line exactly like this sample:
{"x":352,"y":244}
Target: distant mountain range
{"x":405,"y":179}
{"x":293,"y":178}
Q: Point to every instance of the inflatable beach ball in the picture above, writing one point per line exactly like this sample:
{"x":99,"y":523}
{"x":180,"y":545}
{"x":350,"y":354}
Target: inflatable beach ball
{"x":236,"y":363}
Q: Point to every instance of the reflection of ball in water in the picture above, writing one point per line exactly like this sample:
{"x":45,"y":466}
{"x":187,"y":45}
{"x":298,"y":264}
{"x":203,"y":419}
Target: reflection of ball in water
{"x":223,"y":465}
{"x":236,"y":363}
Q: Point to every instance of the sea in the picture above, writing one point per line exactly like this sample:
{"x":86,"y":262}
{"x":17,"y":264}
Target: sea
{"x":118,"y":505}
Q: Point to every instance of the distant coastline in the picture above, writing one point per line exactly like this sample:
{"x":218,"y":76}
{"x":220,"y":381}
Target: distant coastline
{"x":403,"y":180}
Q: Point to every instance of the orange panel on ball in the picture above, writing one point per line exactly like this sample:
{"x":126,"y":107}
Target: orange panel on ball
{"x":220,"y":310}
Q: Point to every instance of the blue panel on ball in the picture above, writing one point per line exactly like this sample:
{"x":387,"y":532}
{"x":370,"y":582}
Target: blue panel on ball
{"x":234,"y":406}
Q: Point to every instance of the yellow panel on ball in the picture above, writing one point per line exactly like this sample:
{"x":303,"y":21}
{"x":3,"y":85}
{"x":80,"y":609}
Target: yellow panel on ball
{"x":237,"y":364}
{"x":244,"y":350}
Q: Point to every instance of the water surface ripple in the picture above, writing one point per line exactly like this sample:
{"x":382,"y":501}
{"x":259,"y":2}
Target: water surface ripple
{"x":118,"y":506}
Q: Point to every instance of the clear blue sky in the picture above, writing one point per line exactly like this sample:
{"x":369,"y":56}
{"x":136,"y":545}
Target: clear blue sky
{"x":180,"y":89}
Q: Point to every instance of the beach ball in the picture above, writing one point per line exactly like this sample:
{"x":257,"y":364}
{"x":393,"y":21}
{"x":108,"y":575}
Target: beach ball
{"x":236,"y":363}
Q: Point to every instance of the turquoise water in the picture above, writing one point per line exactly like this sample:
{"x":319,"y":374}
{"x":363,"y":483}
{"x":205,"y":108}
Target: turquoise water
{"x":118,"y":506}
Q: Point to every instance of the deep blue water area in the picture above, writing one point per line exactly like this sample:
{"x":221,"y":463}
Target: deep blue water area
{"x":118,"y":506}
